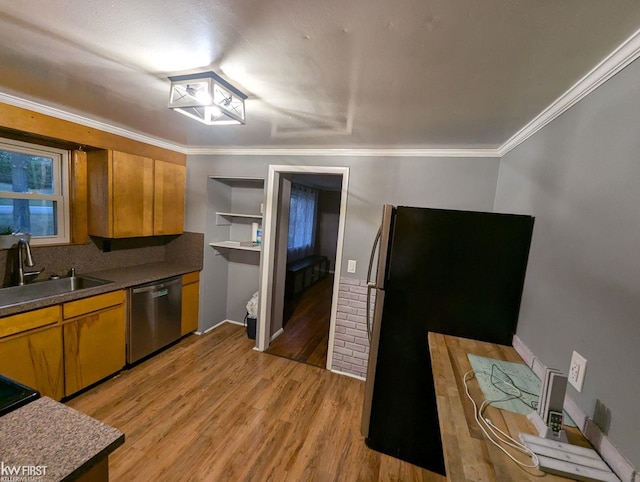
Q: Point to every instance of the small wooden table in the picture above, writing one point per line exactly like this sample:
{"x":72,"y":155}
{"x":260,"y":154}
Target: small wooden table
{"x":468,"y":455}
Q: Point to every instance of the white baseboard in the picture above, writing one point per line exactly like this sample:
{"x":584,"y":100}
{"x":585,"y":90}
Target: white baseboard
{"x":209,"y":329}
{"x":217,"y":325}
{"x":351,"y":375}
{"x":241,"y":323}
{"x":611,"y":455}
{"x":277,"y":334}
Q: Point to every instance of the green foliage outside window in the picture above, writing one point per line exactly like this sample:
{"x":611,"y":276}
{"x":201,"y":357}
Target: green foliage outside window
{"x":39,"y":171}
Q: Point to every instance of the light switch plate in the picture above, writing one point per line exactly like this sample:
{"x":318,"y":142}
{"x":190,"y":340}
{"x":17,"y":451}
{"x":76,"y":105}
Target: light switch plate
{"x":351,"y":266}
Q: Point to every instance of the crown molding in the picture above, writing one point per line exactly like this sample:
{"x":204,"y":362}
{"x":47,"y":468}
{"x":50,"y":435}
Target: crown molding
{"x":85,"y":121}
{"x":333,"y":152}
{"x":617,"y":60}
{"x":240,"y":151}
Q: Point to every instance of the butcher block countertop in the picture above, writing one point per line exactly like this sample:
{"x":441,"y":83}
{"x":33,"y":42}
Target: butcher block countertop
{"x":468,"y":455}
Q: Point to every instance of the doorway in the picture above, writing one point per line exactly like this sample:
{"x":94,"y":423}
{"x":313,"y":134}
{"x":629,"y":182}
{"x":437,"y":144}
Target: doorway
{"x":277,"y":317}
{"x":311,"y":204}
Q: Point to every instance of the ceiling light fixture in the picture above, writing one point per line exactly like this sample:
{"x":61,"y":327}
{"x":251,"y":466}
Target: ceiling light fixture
{"x":207,"y":98}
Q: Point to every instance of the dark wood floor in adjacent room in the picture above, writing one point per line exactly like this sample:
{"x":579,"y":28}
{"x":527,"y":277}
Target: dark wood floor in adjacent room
{"x":213,"y":409}
{"x":306,"y":332}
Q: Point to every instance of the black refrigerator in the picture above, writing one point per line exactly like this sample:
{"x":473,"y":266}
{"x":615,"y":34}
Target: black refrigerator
{"x":454,"y":272}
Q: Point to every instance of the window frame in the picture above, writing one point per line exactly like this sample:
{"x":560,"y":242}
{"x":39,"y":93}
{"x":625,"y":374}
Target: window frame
{"x":61,"y":165}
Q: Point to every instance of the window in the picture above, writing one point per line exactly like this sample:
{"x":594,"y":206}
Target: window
{"x":34,"y":191}
{"x":302,"y":222}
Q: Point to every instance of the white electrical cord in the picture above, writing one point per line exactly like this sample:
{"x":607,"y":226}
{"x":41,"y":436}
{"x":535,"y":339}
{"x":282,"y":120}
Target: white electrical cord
{"x":487,"y":426}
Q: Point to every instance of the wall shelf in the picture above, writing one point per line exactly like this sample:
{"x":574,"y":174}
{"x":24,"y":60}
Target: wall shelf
{"x":234,"y":245}
{"x":234,"y":204}
{"x":235,"y":181}
{"x":240,"y":215}
{"x":225,"y":219}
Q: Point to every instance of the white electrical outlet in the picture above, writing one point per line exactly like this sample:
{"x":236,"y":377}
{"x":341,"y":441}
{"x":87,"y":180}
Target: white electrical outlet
{"x":351,"y":266}
{"x":577,"y":369}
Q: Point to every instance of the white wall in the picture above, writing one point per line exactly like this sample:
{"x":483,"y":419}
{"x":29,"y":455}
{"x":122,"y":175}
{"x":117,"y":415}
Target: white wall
{"x":580,"y":178}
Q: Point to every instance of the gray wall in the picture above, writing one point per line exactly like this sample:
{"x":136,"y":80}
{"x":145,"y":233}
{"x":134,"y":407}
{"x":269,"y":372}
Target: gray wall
{"x":229,"y":277}
{"x":580,"y":177}
{"x":328,"y":217}
{"x":457,"y":183}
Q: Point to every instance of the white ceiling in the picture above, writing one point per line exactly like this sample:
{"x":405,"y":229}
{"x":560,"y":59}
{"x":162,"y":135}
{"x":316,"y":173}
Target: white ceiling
{"x":319,"y":74}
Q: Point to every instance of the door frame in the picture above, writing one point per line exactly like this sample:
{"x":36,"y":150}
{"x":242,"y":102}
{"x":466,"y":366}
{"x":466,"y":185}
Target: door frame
{"x":263,"y":334}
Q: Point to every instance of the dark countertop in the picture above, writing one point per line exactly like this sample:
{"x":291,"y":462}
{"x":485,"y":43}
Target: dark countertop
{"x":48,"y":433}
{"x":136,"y":275}
{"x":121,"y":277}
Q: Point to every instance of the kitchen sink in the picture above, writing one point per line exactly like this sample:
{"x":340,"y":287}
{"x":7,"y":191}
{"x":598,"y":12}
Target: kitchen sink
{"x":43,"y":289}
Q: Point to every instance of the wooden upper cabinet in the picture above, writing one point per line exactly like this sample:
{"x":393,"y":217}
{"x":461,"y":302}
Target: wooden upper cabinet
{"x":131,"y":196}
{"x":168,"y":214}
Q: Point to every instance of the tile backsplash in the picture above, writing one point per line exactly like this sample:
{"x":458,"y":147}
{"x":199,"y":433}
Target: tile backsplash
{"x":186,"y":248}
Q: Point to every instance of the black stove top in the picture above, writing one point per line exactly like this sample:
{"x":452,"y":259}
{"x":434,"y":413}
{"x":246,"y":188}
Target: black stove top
{"x":14,"y":395}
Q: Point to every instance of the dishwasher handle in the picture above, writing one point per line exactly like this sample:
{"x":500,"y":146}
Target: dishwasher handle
{"x":157,"y":286}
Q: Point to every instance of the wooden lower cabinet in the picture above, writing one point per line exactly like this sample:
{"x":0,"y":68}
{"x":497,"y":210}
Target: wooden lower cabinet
{"x":94,"y":340}
{"x":190,"y":299}
{"x":34,"y":358}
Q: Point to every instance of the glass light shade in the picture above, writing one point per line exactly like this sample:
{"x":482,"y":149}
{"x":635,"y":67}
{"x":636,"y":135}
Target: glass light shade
{"x":207,"y":98}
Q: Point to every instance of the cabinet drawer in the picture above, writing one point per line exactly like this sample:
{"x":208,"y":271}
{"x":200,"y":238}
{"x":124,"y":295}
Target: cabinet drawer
{"x":191,"y":278}
{"x":10,"y":325}
{"x":94,"y":303}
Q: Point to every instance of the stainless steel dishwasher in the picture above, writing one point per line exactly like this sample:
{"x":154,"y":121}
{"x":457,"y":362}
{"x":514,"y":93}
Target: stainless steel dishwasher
{"x":154,"y":317}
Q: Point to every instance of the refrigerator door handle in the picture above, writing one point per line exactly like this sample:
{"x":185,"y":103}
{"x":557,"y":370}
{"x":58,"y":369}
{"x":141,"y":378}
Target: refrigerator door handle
{"x":381,"y":246}
{"x":371,"y":284}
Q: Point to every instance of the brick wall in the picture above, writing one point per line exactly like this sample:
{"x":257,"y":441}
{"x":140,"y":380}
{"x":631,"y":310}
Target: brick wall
{"x":351,"y":345}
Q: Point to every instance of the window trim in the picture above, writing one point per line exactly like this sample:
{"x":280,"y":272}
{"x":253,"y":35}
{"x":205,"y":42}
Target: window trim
{"x":60,"y":182}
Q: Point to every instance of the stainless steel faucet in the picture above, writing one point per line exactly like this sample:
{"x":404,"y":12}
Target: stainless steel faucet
{"x":23,"y":245}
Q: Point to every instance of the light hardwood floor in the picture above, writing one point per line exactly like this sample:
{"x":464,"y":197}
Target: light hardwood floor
{"x":212,"y":408}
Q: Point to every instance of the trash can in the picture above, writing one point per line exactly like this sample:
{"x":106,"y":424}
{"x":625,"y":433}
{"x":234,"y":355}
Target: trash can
{"x":250,"y":323}
{"x":251,"y":318}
